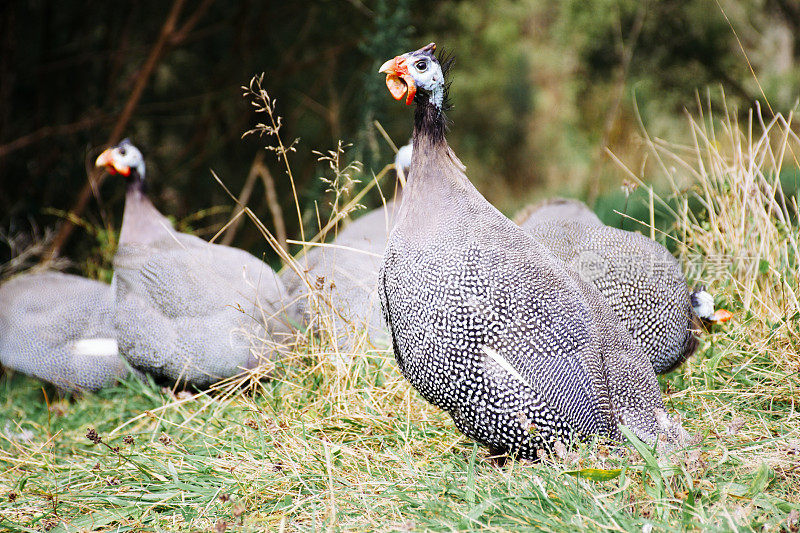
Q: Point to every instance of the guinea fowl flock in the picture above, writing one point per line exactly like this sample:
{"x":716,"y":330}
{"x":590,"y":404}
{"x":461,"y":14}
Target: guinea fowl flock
{"x":549,"y":330}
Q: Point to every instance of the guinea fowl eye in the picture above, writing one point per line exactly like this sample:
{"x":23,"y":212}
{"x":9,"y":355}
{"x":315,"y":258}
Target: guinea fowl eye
{"x":421,"y":66}
{"x":122,"y":151}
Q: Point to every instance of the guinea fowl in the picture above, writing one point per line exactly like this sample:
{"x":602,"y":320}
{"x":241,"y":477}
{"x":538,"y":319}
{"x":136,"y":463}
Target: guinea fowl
{"x":485,"y":322}
{"x":556,"y":210}
{"x":346,"y":275}
{"x":641,"y":281}
{"x":187,"y":310}
{"x":58,"y":328}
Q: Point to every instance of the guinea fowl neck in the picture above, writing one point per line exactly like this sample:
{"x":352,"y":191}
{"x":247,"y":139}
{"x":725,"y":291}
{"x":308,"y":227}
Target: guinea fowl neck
{"x":136,"y":183}
{"x":430,"y":123}
{"x":142,"y":223}
{"x":437,"y":195}
{"x":429,"y":145}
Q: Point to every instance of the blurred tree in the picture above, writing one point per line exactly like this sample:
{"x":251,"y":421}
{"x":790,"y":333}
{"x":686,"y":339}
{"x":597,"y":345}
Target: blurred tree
{"x":541,"y":89}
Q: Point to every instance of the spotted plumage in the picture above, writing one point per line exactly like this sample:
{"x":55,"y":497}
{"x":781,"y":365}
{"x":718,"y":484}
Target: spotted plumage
{"x":187,"y":310}
{"x":59,"y":328}
{"x":641,"y":281}
{"x":486,"y":323}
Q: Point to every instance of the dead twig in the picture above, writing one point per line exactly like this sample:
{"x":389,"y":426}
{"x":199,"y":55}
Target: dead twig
{"x":244,"y":198}
{"x":85,"y":123}
{"x":169,"y":37}
{"x":259,"y":170}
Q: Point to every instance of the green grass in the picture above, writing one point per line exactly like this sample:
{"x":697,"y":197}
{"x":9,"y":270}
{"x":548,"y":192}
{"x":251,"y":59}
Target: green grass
{"x":358,"y":449}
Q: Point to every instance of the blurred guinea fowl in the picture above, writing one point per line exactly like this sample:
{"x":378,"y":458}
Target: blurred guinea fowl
{"x":641,"y":281}
{"x":58,"y":328}
{"x":187,"y":310}
{"x":486,"y":323}
{"x":556,"y":210}
{"x":346,"y":274}
{"x":402,"y":161}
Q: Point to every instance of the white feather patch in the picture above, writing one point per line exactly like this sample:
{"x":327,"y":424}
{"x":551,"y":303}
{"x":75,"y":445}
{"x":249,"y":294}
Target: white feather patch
{"x":402,"y":160}
{"x":497,"y":358}
{"x":703,"y":304}
{"x":101,"y":347}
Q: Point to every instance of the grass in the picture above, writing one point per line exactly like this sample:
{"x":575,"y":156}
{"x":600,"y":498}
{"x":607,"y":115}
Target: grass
{"x":351,"y":446}
{"x":323,"y":448}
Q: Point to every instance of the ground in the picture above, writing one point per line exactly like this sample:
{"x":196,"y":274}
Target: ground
{"x":355,"y":448}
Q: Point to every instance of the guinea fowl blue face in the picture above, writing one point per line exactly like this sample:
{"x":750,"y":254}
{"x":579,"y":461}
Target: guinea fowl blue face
{"x":124,"y":159}
{"x":415,"y":71}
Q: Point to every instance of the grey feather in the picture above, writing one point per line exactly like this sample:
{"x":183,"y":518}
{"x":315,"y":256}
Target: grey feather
{"x":194,"y":311}
{"x":49,"y":324}
{"x":556,"y":210}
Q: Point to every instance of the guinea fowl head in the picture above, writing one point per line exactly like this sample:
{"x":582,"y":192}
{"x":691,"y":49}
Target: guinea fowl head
{"x":124,"y":159}
{"x":703,"y":305}
{"x":416,"y":73}
{"x":420,"y":77}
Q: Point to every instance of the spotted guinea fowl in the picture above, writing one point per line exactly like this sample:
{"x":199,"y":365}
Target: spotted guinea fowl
{"x":345,"y":276}
{"x":556,"y":210}
{"x":187,"y":310}
{"x":485,"y":322}
{"x":641,"y":281}
{"x":58,"y":328}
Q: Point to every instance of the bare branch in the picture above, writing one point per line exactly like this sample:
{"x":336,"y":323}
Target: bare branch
{"x":19,"y":143}
{"x":143,"y":77}
{"x":244,"y":198}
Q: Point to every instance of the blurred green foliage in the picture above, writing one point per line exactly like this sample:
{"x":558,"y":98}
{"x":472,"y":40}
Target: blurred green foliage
{"x":541,"y":88}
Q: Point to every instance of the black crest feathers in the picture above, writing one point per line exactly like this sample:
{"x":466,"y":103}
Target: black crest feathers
{"x":446,"y":60}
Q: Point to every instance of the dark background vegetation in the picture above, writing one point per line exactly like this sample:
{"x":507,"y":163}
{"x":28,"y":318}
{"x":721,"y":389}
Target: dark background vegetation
{"x":541,"y":88}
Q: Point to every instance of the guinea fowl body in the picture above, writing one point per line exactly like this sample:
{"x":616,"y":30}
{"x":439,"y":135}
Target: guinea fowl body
{"x":488,"y":325}
{"x":58,"y":328}
{"x":188,"y":310}
{"x":556,"y":210}
{"x":345,"y":276}
{"x":641,"y":281}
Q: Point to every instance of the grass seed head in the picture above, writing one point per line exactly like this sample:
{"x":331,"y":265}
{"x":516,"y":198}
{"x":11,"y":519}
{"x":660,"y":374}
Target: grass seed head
{"x":92,"y":435}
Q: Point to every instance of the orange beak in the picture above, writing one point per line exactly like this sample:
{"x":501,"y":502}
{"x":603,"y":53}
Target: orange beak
{"x":106,"y":159}
{"x":398,"y":79}
{"x":720,"y":316}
